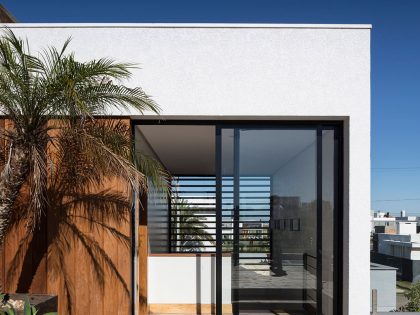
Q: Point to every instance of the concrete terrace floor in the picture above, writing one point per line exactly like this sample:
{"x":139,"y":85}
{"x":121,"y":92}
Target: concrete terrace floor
{"x":259,"y":276}
{"x":271,"y":290}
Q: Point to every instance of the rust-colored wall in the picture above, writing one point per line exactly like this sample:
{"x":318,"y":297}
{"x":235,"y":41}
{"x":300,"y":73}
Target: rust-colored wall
{"x":36,"y":269}
{"x":2,"y":256}
{"x":143,"y":253}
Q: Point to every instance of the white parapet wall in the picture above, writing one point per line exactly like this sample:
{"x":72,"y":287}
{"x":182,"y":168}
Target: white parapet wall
{"x":189,"y":279}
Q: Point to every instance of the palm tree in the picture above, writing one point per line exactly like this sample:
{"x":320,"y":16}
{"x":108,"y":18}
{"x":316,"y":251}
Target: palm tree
{"x":76,"y":194}
{"x":53,"y":139}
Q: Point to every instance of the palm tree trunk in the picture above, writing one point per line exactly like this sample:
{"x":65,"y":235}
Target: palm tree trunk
{"x":11,"y":180}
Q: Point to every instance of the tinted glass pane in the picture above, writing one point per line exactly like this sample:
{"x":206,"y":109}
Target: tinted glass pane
{"x":272,"y":211}
{"x":329,"y":185}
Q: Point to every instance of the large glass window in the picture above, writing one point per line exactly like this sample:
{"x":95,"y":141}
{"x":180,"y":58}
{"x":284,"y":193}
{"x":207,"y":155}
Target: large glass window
{"x":278,"y":201}
{"x":254,"y":207}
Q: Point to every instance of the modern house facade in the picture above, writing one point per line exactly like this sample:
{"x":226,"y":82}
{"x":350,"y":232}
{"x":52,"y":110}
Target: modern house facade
{"x":265,"y":129}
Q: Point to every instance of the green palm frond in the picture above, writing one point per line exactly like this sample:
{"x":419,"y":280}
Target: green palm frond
{"x":53,"y":85}
{"x":155,"y":172}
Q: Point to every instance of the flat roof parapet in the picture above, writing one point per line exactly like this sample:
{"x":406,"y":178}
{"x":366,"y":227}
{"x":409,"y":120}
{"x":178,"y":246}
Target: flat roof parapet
{"x":375,"y":266}
{"x":192,"y":25}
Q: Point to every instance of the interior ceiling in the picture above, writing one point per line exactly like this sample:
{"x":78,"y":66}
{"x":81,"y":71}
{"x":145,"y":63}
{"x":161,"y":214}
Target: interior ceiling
{"x":183,"y":150}
{"x":264,"y":152}
{"x":190,"y":150}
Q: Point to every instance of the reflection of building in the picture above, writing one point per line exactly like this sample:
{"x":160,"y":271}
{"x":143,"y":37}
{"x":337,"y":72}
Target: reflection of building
{"x":227,"y":230}
{"x":254,"y":231}
{"x":294,"y":227}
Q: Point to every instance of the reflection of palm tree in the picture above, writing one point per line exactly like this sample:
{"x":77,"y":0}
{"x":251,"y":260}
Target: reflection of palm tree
{"x":190,"y":226}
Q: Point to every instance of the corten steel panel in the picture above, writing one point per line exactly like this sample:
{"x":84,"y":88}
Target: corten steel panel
{"x":2,"y":271}
{"x":33,"y":272}
{"x":28,"y":273}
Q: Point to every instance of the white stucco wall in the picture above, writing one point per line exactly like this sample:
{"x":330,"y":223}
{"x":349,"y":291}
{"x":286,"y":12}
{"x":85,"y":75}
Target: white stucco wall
{"x":254,"y":72}
{"x":187,"y":280}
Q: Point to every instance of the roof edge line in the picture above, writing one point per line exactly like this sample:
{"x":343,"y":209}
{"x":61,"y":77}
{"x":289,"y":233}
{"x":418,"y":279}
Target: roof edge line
{"x":187,"y":25}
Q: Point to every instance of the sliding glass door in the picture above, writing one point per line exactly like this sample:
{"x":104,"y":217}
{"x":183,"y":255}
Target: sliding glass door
{"x":277,"y":216}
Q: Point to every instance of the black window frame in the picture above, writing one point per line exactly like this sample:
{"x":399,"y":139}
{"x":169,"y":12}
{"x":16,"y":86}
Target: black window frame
{"x":319,"y":126}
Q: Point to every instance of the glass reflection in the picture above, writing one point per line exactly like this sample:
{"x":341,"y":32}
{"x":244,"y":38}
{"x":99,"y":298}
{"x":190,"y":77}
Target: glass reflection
{"x":269,"y":208}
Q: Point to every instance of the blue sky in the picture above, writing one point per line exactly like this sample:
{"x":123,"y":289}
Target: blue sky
{"x":395,"y":64}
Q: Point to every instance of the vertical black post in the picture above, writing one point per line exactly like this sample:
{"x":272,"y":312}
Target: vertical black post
{"x":319,"y":221}
{"x":134,"y":243}
{"x":236,"y":220}
{"x":271,"y":221}
{"x":219,"y":278}
{"x":134,"y":233}
{"x":170,"y":218}
{"x":236,"y":183}
{"x":338,"y":219}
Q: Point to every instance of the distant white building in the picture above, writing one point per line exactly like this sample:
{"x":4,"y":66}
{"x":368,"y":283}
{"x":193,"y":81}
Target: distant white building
{"x":381,"y":222}
{"x":406,"y":227}
{"x":383,"y":280}
{"x":400,"y":251}
{"x":398,"y":245}
{"x":379,"y":214}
